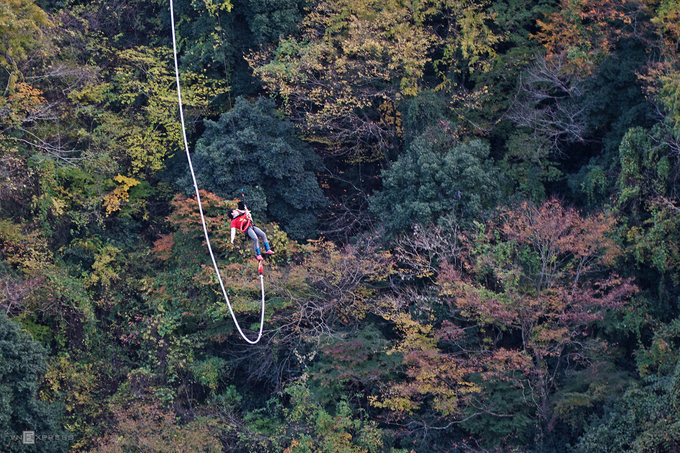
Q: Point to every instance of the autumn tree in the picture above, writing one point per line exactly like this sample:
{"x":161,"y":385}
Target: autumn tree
{"x":510,"y":315}
{"x":581,"y":34}
{"x":147,"y":425}
{"x":545,"y":278}
{"x":342,"y":78}
{"x":436,"y":381}
{"x":20,"y":33}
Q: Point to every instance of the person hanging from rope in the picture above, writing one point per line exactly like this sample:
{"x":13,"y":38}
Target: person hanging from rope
{"x":243,"y":221}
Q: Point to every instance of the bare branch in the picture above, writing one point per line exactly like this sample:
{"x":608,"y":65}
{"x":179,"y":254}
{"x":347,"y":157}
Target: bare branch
{"x":54,"y":151}
{"x":550,"y":102}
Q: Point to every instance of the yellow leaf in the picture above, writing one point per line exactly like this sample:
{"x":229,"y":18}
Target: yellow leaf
{"x":113,"y":201}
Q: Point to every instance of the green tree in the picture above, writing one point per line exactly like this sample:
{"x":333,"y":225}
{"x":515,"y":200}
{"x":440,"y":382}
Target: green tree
{"x":251,"y":148}
{"x":426,"y":110}
{"x":646,"y":192}
{"x":22,"y":366}
{"x":269,"y":21}
{"x":663,"y":83}
{"x":438,"y":177}
{"x":647,"y":417}
{"x":528,"y":164}
{"x":307,"y":426}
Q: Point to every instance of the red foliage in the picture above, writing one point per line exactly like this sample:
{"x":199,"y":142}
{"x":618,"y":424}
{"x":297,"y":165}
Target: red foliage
{"x":545,"y":277}
{"x":186,"y":214}
{"x":186,"y":217}
{"x":162,"y":248}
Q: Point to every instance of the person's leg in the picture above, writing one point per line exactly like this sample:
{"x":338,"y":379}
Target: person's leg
{"x":252,"y":235}
{"x":263,"y":236}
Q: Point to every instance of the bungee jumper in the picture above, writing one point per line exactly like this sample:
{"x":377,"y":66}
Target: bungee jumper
{"x":243,"y":221}
{"x":200,"y":206}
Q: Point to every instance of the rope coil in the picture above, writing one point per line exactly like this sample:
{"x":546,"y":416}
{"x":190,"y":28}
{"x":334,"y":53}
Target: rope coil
{"x":198,"y":197}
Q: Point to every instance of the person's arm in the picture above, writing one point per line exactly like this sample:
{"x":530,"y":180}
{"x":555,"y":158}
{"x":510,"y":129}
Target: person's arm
{"x":233,"y":234}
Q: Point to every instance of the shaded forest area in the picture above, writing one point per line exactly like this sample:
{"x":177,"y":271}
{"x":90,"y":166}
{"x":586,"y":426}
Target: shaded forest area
{"x":474,"y":208}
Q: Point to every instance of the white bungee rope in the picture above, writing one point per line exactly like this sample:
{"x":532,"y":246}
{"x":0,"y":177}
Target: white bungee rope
{"x":198,"y":197}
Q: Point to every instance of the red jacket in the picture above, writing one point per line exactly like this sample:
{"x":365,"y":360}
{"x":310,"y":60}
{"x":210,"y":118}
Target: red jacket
{"x":241,"y":222}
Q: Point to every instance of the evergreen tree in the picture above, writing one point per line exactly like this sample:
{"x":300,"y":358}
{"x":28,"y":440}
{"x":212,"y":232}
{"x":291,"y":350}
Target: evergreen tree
{"x":22,"y":365}
{"x":438,"y":177}
{"x":251,"y":148}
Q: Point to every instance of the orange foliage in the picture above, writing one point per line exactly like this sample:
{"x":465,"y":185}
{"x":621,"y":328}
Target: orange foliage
{"x":585,"y":31}
{"x":25,"y":104}
{"x":186,"y":217}
{"x":533,"y":283}
{"x":434,"y":377}
{"x":162,"y":248}
{"x":147,"y":427}
{"x":559,"y":235}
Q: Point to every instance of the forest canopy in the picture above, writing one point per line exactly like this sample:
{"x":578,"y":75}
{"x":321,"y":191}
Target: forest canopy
{"x":473,"y":210}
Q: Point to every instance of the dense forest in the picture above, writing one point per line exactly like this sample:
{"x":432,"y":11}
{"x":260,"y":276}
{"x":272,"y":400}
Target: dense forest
{"x":473,"y":205}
